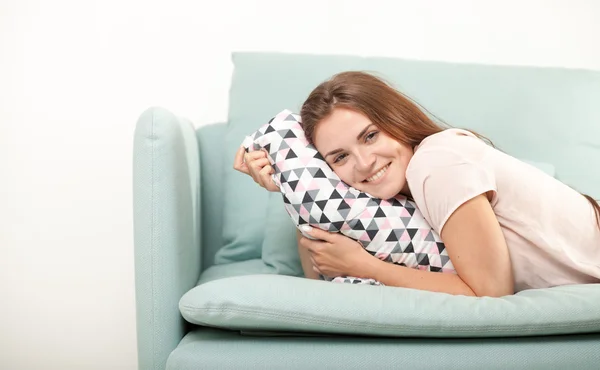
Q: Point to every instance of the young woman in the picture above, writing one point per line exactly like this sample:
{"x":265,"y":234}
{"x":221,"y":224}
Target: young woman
{"x":506,"y":225}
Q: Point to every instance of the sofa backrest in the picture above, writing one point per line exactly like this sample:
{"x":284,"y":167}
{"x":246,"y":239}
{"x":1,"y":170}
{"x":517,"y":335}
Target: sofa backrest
{"x":549,"y":115}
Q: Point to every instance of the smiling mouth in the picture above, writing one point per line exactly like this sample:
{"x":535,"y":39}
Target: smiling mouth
{"x":376,"y":176}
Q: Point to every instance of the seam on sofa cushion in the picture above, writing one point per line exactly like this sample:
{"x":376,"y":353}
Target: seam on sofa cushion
{"x":386,"y":327}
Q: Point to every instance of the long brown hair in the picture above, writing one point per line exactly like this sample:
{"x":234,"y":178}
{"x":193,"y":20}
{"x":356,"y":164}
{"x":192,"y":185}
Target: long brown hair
{"x":391,"y":111}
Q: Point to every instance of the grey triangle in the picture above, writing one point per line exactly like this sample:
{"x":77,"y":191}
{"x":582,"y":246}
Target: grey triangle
{"x":283,"y":145}
{"x":372,"y":203}
{"x":313,"y":193}
{"x":405,"y":220}
{"x":344,"y":212}
{"x":342,"y":193}
{"x":297,"y":207}
{"x":283,"y":131}
{"x":312,"y":170}
{"x":285,"y":176}
{"x":349,"y":195}
{"x":399,"y":233}
{"x":298,"y":172}
{"x":422,"y":258}
{"x":444,"y":259}
{"x":373,"y":225}
{"x":312,"y":220}
{"x":430,"y":237}
{"x":397,"y":248}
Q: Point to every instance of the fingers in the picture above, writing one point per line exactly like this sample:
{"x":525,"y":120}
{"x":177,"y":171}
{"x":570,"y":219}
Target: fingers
{"x":255,"y":155}
{"x":315,"y":266}
{"x":242,"y":159}
{"x":313,"y":246}
{"x":255,"y":167}
{"x":317,"y":233}
{"x":306,"y":243}
{"x":266,"y":180}
{"x":238,"y":162}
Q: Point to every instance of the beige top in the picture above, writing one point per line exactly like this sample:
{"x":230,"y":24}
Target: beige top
{"x":550,"y":229}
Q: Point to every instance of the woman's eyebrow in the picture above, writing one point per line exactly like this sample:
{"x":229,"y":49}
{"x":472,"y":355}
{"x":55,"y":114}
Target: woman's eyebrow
{"x":335,"y":151}
{"x":363,"y":131}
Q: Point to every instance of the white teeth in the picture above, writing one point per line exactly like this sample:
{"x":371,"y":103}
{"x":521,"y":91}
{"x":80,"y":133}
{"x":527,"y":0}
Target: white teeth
{"x":378,"y":174}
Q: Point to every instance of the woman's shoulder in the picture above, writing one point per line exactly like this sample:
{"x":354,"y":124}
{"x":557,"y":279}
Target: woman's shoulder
{"x":447,"y":138}
{"x":446,"y":170}
{"x":448,"y":147}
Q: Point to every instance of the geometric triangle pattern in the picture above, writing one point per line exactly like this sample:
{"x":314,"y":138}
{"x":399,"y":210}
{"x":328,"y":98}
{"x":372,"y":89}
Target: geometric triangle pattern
{"x":393,"y":230}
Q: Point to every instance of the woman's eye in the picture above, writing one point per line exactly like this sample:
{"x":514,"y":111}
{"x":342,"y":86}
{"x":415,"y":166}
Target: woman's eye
{"x":339,"y":158}
{"x":370,"y":136}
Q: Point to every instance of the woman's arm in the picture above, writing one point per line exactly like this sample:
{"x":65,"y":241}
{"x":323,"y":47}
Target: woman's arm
{"x":307,"y":265}
{"x":477,"y":249}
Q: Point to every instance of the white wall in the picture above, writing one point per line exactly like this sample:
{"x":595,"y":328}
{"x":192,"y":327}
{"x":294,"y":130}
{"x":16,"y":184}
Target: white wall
{"x":75,"y":75}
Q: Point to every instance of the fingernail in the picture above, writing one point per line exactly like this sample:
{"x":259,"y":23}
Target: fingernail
{"x":306,"y":228}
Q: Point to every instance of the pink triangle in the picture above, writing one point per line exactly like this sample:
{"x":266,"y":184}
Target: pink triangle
{"x":314,"y":185}
{"x":405,"y":237}
{"x":291,"y":141}
{"x":424,"y":233}
{"x":386,"y":225}
{"x":366,"y":214}
{"x":305,"y":160}
{"x":365,"y":237}
{"x":350,"y":201}
{"x":300,"y":187}
{"x":303,"y":212}
{"x":281,"y":165}
{"x":404,"y":213}
{"x":282,"y":154}
{"x":381,"y":255}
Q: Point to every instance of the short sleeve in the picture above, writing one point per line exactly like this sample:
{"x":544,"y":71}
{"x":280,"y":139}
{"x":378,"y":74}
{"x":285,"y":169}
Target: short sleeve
{"x":442,"y":178}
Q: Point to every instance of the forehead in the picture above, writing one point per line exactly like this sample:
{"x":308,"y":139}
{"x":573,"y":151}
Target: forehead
{"x":339,"y":129}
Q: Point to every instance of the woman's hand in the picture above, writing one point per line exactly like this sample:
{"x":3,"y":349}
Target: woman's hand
{"x":335,"y":254}
{"x":257,"y":165}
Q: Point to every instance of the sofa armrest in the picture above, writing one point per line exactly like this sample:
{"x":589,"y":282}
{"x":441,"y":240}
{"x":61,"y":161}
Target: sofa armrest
{"x":166,"y":203}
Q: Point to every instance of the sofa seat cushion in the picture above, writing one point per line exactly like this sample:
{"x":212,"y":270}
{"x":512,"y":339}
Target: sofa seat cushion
{"x":284,"y":303}
{"x":206,"y":348}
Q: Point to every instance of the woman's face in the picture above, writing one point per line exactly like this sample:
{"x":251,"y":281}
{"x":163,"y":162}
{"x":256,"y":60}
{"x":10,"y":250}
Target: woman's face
{"x":361,"y":155}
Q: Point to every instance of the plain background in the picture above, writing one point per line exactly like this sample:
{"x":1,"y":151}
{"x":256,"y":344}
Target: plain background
{"x":75,"y":75}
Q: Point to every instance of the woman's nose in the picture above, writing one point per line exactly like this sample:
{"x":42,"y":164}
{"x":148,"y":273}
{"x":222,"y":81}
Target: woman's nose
{"x":365,"y":161}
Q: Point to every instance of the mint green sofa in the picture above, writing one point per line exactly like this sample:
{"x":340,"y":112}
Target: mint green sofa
{"x":218,"y":281}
